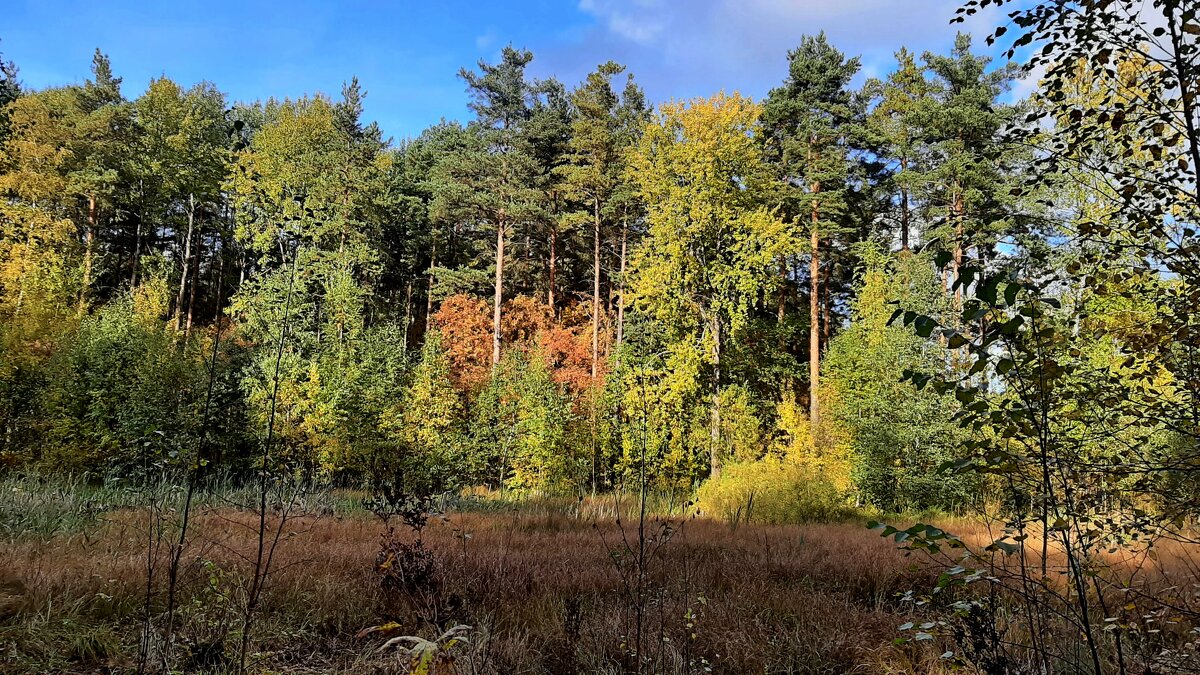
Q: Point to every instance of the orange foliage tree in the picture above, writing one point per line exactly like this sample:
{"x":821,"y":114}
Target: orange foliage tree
{"x":529,"y":324}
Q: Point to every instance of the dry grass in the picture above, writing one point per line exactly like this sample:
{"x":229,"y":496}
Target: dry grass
{"x":545,"y":588}
{"x":544,"y":593}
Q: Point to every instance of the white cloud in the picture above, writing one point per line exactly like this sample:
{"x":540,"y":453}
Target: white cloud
{"x":634,"y":20}
{"x":685,"y":48}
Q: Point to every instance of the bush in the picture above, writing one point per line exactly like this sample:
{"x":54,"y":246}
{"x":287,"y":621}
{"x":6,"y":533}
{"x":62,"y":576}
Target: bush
{"x":899,"y":435}
{"x":124,"y":396}
{"x":774,"y":491}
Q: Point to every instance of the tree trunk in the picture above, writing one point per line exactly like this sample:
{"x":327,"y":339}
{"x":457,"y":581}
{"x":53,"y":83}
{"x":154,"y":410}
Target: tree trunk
{"x":219,"y":281}
{"x":498,"y":298}
{"x":550,"y":299}
{"x":781,"y":307}
{"x":24,"y":269}
{"x":429,"y":287}
{"x":89,"y":239}
{"x":595,"y":287}
{"x":186,"y":262}
{"x":903,"y":208}
{"x":714,"y":452}
{"x":621,"y":291}
{"x":956,"y":208}
{"x":191,"y":303}
{"x":407,"y":312}
{"x":137,"y":254}
{"x":814,"y":317}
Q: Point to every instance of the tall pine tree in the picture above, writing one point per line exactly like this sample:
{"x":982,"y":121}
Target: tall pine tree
{"x":807,"y":121}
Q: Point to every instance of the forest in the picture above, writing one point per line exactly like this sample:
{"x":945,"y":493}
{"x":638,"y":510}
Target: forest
{"x":588,"y":384}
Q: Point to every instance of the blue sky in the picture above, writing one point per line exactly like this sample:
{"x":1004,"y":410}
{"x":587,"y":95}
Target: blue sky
{"x":407,"y":54}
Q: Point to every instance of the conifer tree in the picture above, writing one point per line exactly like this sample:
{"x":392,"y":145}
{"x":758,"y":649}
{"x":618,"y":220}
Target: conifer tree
{"x":965,"y":185}
{"x":808,"y":121}
{"x":547,"y":135}
{"x":896,"y":123}
{"x":489,"y":181}
{"x":595,"y":165}
{"x":10,"y":89}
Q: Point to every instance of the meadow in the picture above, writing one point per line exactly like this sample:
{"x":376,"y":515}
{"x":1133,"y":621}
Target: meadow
{"x":548,"y":587}
{"x":488,"y":585}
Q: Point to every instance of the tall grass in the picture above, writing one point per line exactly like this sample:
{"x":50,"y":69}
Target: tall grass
{"x":539,"y":589}
{"x":43,"y":507}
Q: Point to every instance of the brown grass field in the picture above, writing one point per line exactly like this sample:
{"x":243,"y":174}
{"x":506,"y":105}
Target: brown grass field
{"x":542,"y":592}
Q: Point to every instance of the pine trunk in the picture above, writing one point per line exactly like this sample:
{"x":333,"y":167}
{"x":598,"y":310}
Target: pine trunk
{"x":498,"y":298}
{"x":903,"y":209}
{"x":814,"y":316}
{"x":191,"y":303}
{"x":219,"y":281}
{"x":621,"y":291}
{"x":714,"y":453}
{"x":429,"y":286}
{"x":550,"y":299}
{"x":957,"y":211}
{"x":407,"y":312}
{"x":595,"y":288}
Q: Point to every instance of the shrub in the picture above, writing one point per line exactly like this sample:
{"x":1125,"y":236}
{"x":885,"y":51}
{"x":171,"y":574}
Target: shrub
{"x":772,"y":490}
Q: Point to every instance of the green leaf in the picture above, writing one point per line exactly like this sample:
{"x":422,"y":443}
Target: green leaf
{"x":1010,"y":293}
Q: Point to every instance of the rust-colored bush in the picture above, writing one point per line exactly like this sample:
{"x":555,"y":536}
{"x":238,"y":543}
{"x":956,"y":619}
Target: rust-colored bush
{"x":466,"y":328}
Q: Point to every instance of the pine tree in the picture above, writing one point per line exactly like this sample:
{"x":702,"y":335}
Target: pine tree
{"x":808,"y":120}
{"x":897,"y":122}
{"x":489,"y":181}
{"x":547,"y":134}
{"x":593,"y":173}
{"x":10,"y":90}
{"x":964,"y":185}
{"x":105,"y":142}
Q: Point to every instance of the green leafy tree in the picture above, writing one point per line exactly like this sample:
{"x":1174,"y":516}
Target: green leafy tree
{"x":633,"y":114}
{"x":665,"y":419}
{"x":181,"y":152}
{"x":900,"y":436}
{"x":710,"y":251}
{"x":431,"y":414}
{"x":1070,"y":422}
{"x":520,"y":425}
{"x":305,"y":195}
{"x":121,"y":402}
